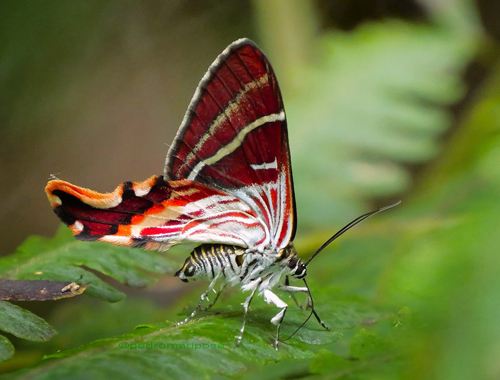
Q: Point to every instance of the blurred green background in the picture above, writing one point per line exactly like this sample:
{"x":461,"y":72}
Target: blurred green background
{"x":385,"y":100}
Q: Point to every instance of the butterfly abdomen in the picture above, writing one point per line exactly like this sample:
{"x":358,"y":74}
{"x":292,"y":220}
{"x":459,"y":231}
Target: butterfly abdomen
{"x":211,"y":260}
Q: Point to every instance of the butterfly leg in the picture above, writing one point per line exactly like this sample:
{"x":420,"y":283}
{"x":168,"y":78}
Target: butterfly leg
{"x":253,"y":286}
{"x":321,"y":322}
{"x":284,"y":288}
{"x":205,"y":308}
{"x":291,"y":290}
{"x":302,"y":289}
{"x":202,"y":298}
{"x":270,"y":297}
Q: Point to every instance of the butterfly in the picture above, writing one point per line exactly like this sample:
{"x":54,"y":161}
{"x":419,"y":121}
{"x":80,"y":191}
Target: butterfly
{"x":227,"y":185}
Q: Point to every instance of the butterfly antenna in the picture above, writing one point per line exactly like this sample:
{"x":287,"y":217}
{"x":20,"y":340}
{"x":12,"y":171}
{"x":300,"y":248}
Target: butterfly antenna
{"x":359,"y":219}
{"x":340,"y":232}
{"x":310,"y":315}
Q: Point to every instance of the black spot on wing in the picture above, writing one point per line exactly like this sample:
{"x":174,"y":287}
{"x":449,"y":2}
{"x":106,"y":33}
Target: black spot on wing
{"x":131,"y":203}
{"x":65,"y":217}
{"x":73,"y":209}
{"x":160,"y":191}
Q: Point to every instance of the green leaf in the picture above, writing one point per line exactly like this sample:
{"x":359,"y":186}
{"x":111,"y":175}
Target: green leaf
{"x":62,"y":258}
{"x":332,"y":366}
{"x":366,"y":344}
{"x":198,"y":349}
{"x":24,"y":324}
{"x":325,"y":360}
{"x":373,"y":354}
{"x":6,"y":348}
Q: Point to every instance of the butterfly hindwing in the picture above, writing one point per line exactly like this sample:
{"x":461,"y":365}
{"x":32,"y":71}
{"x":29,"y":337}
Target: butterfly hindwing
{"x":155,"y":214}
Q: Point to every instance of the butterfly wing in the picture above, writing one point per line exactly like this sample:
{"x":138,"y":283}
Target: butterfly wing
{"x":234,"y":138}
{"x":227,"y":177}
{"x":155,"y":214}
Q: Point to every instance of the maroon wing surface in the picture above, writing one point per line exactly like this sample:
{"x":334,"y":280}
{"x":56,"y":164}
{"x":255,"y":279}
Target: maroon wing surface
{"x":234,"y":138}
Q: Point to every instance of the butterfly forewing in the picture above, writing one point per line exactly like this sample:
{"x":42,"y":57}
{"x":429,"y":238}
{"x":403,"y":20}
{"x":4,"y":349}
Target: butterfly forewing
{"x":234,"y":138}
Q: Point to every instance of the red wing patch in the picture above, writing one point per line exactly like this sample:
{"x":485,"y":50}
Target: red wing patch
{"x":155,"y":214}
{"x":234,"y":137}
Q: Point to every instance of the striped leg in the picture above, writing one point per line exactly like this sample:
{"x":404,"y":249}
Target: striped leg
{"x":205,"y":308}
{"x":203,"y":296}
{"x":253,"y":286}
{"x":270,"y":297}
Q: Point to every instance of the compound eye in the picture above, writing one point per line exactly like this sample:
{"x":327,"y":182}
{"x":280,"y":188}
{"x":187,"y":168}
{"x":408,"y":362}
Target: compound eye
{"x":239,"y":260}
{"x":300,"y":272}
{"x":190,"y":270}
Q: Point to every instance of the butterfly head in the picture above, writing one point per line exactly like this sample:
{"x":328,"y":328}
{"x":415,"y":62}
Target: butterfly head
{"x":297,"y":268}
{"x":187,"y":271}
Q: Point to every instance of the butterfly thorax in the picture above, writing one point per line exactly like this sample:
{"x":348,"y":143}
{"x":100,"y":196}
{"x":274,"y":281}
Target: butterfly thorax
{"x":237,"y":265}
